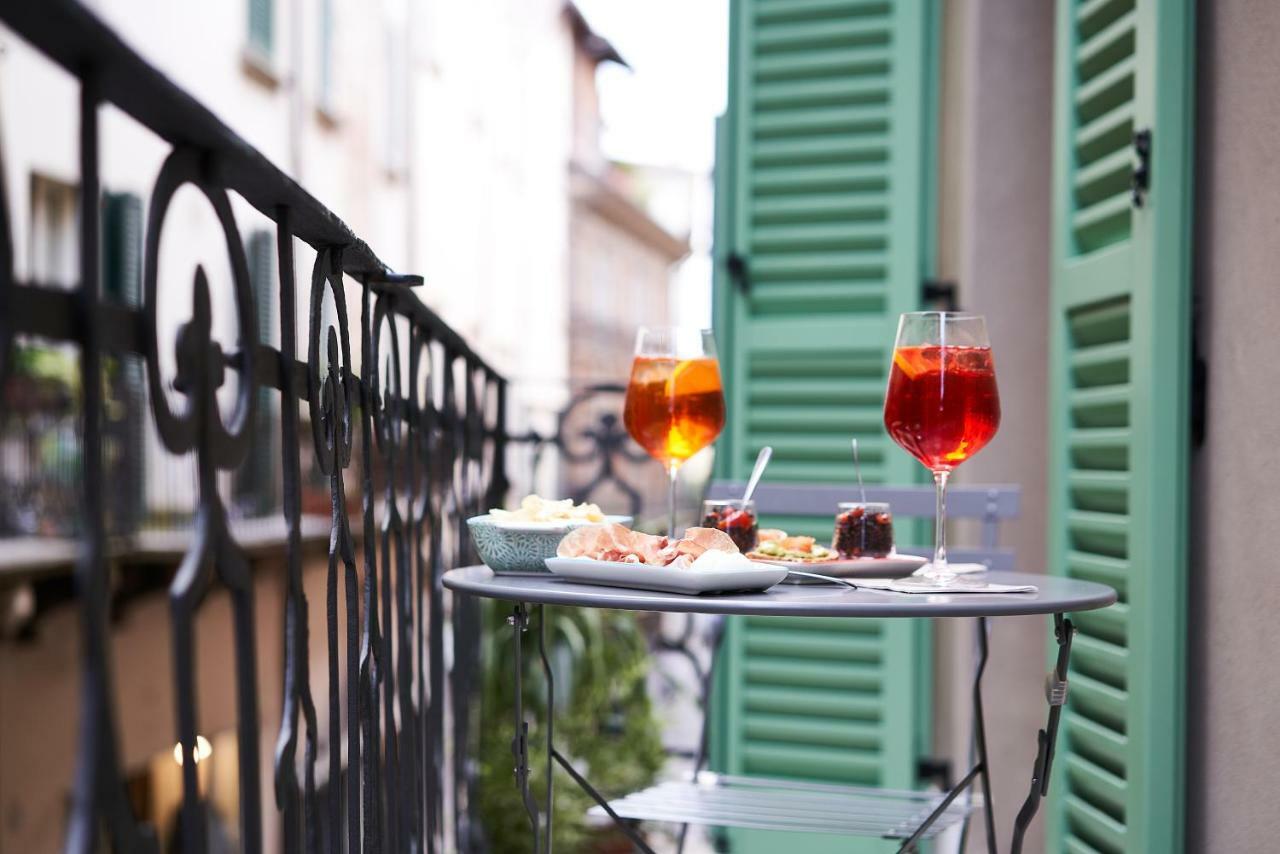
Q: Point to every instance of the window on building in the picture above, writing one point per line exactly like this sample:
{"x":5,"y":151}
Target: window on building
{"x":395,"y":127}
{"x":262,"y":28}
{"x":324,"y":61}
{"x":254,"y":484}
{"x":55,"y":239}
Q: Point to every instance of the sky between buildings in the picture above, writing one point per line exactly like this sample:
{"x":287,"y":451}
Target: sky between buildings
{"x":662,"y":111}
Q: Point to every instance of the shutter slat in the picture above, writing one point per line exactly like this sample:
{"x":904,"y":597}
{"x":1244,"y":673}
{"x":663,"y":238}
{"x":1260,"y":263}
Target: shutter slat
{"x":814,"y":420}
{"x":1098,"y":784}
{"x":1104,"y":177}
{"x":813,"y":702}
{"x":1107,"y":46}
{"x":790,"y":392}
{"x":1105,"y":661}
{"x":801,"y":266}
{"x":1093,"y":15}
{"x":820,"y":207}
{"x":1100,"y":743}
{"x":1094,"y":825}
{"x":844,"y":62}
{"x":1101,"y":568}
{"x":1106,"y":406}
{"x":1110,"y":624}
{"x":818,"y":297}
{"x":1102,"y":223}
{"x":788,"y":95}
{"x":809,"y":35}
{"x":781,"y":759}
{"x":1098,"y":702}
{"x":797,"y":238}
{"x":1075,"y":845}
{"x":831,"y":732}
{"x":834,"y":646}
{"x":861,"y":677}
{"x":1108,"y":132}
{"x":1100,"y":365}
{"x":1099,"y":492}
{"x":841,"y":625}
{"x":822,"y":120}
{"x":820,"y":178}
{"x":781,"y":11}
{"x":1106,"y":91}
{"x":836,"y":148}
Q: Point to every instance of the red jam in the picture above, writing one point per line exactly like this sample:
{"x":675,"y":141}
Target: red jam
{"x":863,"y":530}
{"x":735,"y":519}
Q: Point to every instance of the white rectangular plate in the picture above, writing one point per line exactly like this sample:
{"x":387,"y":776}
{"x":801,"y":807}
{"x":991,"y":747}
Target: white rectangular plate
{"x":759,"y":576}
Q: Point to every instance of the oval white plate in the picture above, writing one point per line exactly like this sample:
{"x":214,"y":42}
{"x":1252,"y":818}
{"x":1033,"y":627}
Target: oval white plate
{"x":859,"y":567}
{"x":758,"y":576}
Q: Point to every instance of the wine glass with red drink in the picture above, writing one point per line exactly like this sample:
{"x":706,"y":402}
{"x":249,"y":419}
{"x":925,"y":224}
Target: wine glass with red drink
{"x":942,"y":404}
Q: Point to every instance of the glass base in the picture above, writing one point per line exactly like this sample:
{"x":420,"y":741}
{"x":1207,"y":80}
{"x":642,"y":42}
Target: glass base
{"x":928,"y":582}
{"x":935,"y":574}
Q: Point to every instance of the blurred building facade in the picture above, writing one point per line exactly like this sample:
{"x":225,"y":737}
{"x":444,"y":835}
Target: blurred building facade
{"x":461,"y":141}
{"x":462,"y":138}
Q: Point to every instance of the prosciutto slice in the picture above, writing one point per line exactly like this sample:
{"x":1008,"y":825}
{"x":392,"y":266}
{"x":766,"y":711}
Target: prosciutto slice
{"x":620,"y":544}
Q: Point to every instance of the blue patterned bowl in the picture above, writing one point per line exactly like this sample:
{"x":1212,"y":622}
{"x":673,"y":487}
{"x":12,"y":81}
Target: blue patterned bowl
{"x":522,"y":549}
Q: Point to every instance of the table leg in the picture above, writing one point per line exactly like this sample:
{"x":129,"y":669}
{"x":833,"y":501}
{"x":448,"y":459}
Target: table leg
{"x":706,"y":682}
{"x":551,"y":719}
{"x":980,"y":739}
{"x":981,"y":766}
{"x":1056,"y":694}
{"x":519,"y":621}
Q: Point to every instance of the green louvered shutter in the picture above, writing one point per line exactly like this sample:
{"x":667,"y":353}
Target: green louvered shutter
{"x":122,"y":284}
{"x":1120,"y":447}
{"x":254,"y":482}
{"x":261,"y":27}
{"x":821,"y":190}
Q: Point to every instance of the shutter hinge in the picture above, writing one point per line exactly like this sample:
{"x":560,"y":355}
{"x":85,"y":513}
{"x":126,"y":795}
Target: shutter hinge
{"x":1199,"y":402}
{"x":939,"y":295}
{"x":934,"y":769}
{"x":1141,"y":180}
{"x":739,"y":274}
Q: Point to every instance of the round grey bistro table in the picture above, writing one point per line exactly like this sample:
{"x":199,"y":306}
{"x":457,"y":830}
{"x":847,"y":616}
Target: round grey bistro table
{"x":1055,"y":596}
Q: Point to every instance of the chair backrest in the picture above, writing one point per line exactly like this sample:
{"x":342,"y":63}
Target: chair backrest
{"x":987,"y":504}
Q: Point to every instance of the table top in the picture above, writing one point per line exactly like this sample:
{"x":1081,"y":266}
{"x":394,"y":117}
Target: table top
{"x":1056,"y":595}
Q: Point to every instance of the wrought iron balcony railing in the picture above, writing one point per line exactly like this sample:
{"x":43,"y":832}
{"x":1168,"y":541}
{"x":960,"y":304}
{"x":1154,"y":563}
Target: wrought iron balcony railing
{"x":438,"y":445}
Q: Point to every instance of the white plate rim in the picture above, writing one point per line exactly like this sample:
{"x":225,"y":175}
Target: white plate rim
{"x":757,"y":574}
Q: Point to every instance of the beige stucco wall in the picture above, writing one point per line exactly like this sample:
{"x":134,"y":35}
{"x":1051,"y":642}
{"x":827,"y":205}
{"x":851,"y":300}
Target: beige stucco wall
{"x":40,"y":695}
{"x":994,"y":167}
{"x":1233,"y":683}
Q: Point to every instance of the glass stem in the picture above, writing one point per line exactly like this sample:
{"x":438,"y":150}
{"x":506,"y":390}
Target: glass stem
{"x":940,"y":525}
{"x":674,"y":472}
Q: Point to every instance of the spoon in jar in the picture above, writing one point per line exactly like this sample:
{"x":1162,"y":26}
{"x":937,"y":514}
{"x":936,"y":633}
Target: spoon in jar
{"x":857,"y":468}
{"x":762,"y":460}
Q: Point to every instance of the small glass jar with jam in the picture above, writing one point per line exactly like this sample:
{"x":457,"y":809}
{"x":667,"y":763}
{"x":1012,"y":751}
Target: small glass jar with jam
{"x":863,"y":529}
{"x":735,"y":518}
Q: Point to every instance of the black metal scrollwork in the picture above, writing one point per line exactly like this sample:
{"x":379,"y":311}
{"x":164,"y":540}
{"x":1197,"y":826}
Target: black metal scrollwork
{"x":331,"y":400}
{"x":98,"y":790}
{"x":297,"y":674}
{"x":201,"y":366}
{"x":440,"y":441}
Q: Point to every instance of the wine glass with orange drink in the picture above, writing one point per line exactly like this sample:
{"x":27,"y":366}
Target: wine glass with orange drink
{"x":942,"y":405}
{"x":675,"y":400}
